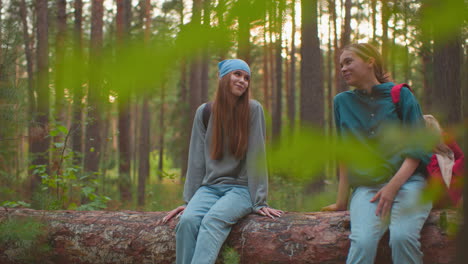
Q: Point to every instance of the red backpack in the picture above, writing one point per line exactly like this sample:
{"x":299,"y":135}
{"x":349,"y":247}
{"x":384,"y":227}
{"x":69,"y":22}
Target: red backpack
{"x":395,"y":93}
{"x":453,"y":193}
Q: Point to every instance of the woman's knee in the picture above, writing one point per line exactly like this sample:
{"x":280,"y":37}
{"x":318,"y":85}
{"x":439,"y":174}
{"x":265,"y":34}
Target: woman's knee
{"x":402,"y":237}
{"x":188,"y":222}
{"x":365,"y":241}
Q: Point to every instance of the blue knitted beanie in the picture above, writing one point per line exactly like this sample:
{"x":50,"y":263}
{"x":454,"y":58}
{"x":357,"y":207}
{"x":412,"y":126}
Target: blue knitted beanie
{"x":227,"y":66}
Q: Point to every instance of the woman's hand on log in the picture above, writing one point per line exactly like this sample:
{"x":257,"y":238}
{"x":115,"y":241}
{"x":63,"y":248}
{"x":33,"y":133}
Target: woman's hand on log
{"x":334,"y":207}
{"x":270,"y":212}
{"x":176,"y":212}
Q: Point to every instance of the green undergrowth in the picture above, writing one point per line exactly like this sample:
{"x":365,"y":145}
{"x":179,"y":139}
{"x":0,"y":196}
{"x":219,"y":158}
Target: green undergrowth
{"x":24,"y":238}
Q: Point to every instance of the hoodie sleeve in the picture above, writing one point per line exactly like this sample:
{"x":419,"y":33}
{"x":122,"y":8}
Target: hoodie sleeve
{"x":412,"y":118}
{"x":196,"y":158}
{"x":256,"y":158}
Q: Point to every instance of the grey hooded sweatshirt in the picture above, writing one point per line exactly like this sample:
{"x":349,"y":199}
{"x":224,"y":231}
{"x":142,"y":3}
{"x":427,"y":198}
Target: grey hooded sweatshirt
{"x":250,"y":171}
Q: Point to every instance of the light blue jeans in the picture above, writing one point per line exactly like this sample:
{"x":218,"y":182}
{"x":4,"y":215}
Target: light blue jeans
{"x":406,"y":221}
{"x":207,"y":221}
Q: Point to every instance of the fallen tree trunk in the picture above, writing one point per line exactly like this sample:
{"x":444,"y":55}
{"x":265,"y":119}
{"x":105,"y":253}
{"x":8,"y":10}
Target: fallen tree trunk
{"x":139,"y":237}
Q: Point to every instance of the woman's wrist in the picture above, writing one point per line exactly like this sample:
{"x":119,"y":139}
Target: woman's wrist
{"x":340,"y":205}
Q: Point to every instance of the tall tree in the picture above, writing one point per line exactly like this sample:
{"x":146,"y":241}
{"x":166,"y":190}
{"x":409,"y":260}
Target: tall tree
{"x":162,"y":131}
{"x":59,"y":59}
{"x":312,"y":112}
{"x":447,"y":99}
{"x":1,"y":39}
{"x":123,"y":32}
{"x":40,"y":146}
{"x":345,"y":40}
{"x":205,"y":60}
{"x":184,"y":101}
{"x":59,"y":113}
{"x":29,"y":59}
{"x":330,"y":67}
{"x":145,"y":125}
{"x":266,"y":67}
{"x":374,"y":20}
{"x":243,"y":32}
{"x":77,"y":108}
{"x":385,"y":11}
{"x":291,"y":100}
{"x":447,"y":58}
{"x":93,"y":137}
{"x":278,"y":26}
{"x":221,"y":10}
{"x":195,"y":78}
{"x":338,"y":81}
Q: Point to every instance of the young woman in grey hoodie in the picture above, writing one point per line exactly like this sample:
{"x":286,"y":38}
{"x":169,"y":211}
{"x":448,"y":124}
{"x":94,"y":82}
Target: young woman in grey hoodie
{"x":227,"y":176}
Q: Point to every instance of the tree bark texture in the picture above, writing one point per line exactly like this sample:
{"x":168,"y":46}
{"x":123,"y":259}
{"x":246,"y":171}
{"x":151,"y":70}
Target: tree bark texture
{"x":311,"y":109}
{"x":93,"y":137}
{"x":145,"y":125}
{"x":59,"y":60}
{"x":291,"y":98}
{"x":39,"y":147}
{"x":2,"y":71}
{"x":278,"y":98}
{"x":78,"y":91}
{"x":138,"y":237}
{"x":29,"y":64}
{"x":124,"y":106}
{"x":385,"y":17}
{"x":243,"y":33}
{"x":205,"y":60}
{"x":447,"y":95}
{"x":345,"y":40}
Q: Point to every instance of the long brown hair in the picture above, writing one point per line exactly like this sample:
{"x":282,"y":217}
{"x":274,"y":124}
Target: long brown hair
{"x":366,"y":51}
{"x":231,"y":118}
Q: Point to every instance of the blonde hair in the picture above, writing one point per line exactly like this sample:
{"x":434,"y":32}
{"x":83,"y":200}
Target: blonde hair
{"x":434,"y":126}
{"x":366,"y":51}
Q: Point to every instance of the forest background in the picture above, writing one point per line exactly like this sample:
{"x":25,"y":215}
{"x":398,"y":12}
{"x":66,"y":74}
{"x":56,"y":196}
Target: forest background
{"x":97,"y":97}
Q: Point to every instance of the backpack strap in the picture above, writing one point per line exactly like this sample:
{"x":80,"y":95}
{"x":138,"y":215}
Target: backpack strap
{"x":395,"y":93}
{"x":207,"y":114}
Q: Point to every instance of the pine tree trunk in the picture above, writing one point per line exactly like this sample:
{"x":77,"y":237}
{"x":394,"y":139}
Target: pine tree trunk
{"x":266,"y":80}
{"x":345,"y":40}
{"x":29,"y":69}
{"x":385,"y":17}
{"x":77,"y":108}
{"x":185,"y":121}
{"x":124,"y":107}
{"x":330,"y":67}
{"x":93,"y":142}
{"x":145,"y":148}
{"x":1,"y":41}
{"x":243,"y":33}
{"x":374,"y":21}
{"x":312,"y":109}
{"x":205,"y":55}
{"x":40,"y":145}
{"x":194,"y":89}
{"x":59,"y":112}
{"x":162,"y":131}
{"x":447,"y":98}
{"x":221,"y":11}
{"x":145,"y":124}
{"x":277,"y":110}
{"x":278,"y":106}
{"x":59,"y":60}
{"x":292,"y":72}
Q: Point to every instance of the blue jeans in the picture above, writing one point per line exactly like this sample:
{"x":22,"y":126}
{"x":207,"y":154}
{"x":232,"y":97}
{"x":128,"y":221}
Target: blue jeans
{"x":407,"y":218}
{"x":207,"y":221}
